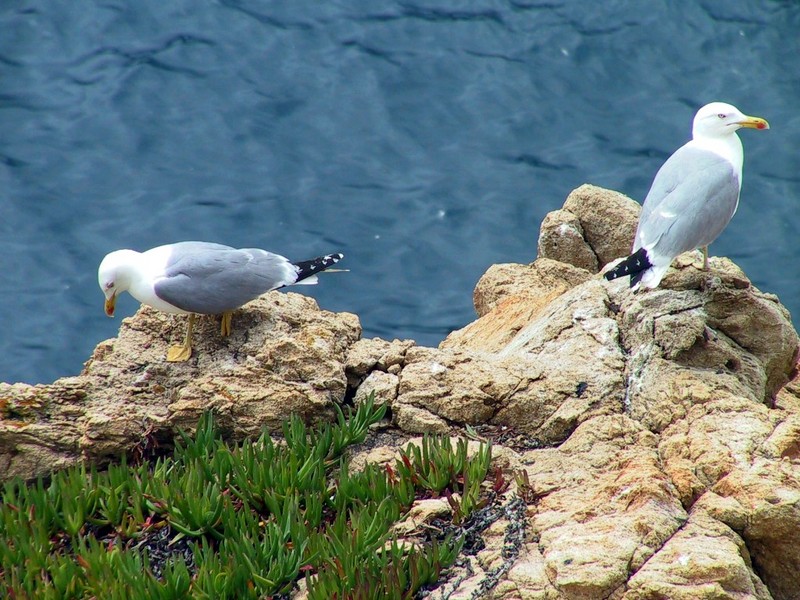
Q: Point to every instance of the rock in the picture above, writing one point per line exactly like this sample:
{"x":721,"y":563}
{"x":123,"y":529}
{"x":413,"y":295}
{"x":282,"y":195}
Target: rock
{"x":704,"y":560}
{"x":422,"y":512}
{"x":380,"y":383}
{"x":788,"y":397}
{"x":606,"y":507}
{"x":682,"y":382}
{"x":417,"y":420}
{"x":595,"y":227}
{"x":562,"y":235}
{"x":768,"y":492}
{"x":608,"y":218}
{"x":542,"y":280}
{"x":285,"y":356}
{"x":366,"y":356}
{"x":689,"y":344}
{"x":482,"y":570}
{"x":543,"y":377}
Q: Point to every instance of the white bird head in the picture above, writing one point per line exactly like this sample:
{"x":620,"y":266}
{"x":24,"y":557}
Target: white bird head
{"x":113,"y":277}
{"x":719,"y":119}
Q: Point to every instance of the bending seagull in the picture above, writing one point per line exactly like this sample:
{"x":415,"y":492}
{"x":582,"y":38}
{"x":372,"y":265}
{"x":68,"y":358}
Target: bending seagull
{"x":201,"y":278}
{"x":693,"y":197}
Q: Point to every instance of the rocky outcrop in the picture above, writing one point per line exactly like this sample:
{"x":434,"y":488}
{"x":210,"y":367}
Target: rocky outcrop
{"x":595,"y":227}
{"x":660,"y":448}
{"x":653,"y":436}
{"x":285,"y":356}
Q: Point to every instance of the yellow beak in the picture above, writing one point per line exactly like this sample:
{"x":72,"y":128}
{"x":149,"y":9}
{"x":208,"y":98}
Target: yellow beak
{"x":754,"y":123}
{"x":110,"y":304}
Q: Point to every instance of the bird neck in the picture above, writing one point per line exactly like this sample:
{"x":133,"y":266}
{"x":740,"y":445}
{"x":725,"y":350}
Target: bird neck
{"x":728,"y":147}
{"x":128,"y":269}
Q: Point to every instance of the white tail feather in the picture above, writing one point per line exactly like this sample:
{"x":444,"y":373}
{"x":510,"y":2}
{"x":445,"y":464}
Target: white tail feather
{"x":310,"y":280}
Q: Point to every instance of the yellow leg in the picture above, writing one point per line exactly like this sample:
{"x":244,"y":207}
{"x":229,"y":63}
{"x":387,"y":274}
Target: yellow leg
{"x":184,"y":352}
{"x":225,"y":324}
{"x":705,"y":258}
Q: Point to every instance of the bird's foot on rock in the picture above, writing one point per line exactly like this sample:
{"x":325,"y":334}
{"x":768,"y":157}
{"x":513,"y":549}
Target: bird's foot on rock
{"x":179,"y":353}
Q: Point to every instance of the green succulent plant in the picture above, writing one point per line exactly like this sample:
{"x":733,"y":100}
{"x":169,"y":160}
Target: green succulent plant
{"x":247,"y":520}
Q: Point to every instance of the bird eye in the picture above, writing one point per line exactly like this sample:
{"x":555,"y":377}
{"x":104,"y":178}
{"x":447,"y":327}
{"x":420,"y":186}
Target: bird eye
{"x":109,"y":285}
{"x":721,"y":115}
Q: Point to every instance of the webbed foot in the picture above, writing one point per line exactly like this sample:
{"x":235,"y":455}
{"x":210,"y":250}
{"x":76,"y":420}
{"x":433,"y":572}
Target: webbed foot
{"x":183,"y":352}
{"x":179,"y":353}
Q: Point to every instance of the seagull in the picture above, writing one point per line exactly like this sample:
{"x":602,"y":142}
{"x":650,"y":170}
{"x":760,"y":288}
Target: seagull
{"x":201,"y":278}
{"x":693,"y":197}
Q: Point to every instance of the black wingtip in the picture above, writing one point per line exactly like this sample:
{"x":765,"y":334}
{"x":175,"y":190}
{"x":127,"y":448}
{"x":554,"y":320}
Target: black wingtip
{"x":635,"y":266}
{"x":307,"y":268}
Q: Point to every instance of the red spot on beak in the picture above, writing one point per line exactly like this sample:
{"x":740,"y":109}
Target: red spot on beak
{"x":761,"y":126}
{"x":110,"y":304}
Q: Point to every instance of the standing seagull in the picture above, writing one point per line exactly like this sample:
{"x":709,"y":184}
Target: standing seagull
{"x":693,"y":197}
{"x":201,"y":278}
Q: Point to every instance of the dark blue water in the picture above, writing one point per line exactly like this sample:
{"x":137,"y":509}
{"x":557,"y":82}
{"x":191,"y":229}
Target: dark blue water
{"x":426,"y":140}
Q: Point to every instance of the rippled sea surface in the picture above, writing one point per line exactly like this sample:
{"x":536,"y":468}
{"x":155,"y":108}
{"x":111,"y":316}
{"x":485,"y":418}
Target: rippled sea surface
{"x":424,"y":139}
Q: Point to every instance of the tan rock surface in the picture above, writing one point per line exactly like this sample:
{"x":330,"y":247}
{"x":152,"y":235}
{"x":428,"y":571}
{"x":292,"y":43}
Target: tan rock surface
{"x":768,"y":491}
{"x":704,"y":560}
{"x":788,"y":398}
{"x":562,"y":235}
{"x":561,"y":368}
{"x":606,"y":506}
{"x":605,"y":219}
{"x":542,"y":281}
{"x":285,"y":356}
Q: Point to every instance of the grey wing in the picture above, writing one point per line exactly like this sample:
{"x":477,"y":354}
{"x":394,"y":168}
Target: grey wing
{"x":692,"y":199}
{"x":215,"y":279}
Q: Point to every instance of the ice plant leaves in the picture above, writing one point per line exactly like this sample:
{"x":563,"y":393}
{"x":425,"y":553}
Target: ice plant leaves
{"x":249,"y":520}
